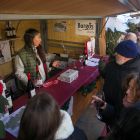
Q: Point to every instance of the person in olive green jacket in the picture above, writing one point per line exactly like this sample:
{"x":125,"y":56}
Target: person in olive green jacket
{"x":29,"y":57}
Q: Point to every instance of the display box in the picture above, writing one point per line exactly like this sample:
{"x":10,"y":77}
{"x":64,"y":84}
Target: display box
{"x":69,"y":75}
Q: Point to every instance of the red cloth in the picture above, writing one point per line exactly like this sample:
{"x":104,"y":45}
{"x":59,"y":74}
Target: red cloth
{"x":62,"y":91}
{"x":125,"y":103}
{"x":104,"y":132}
{"x":1,"y":88}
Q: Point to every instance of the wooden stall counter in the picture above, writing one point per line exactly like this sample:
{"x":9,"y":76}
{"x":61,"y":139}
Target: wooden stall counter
{"x":80,"y":102}
{"x":62,"y":91}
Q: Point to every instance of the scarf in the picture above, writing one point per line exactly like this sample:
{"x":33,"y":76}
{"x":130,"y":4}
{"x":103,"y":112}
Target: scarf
{"x":125,"y":103}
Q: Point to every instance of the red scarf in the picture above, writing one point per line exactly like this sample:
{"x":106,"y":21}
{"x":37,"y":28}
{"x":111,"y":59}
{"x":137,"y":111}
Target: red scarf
{"x":125,"y":103}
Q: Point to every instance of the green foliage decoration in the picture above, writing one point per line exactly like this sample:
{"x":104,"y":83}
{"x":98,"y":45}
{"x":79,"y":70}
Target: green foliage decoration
{"x":132,"y":27}
{"x":66,"y":105}
{"x":111,"y":42}
{"x":3,"y":102}
{"x":89,"y":88}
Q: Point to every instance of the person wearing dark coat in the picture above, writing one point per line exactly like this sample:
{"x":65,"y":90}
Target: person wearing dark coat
{"x":42,"y":119}
{"x":127,"y":61}
{"x":131,"y":88}
{"x":128,"y":125}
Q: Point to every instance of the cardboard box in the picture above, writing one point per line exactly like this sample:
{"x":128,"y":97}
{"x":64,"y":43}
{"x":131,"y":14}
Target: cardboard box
{"x":69,"y":75}
{"x":75,"y":54}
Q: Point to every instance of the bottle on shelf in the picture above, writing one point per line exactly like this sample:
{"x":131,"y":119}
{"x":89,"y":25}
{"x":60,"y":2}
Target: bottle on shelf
{"x":10,"y":30}
{"x":8,"y":97}
{"x":7,"y":32}
{"x":1,"y":57}
{"x":13,"y":31}
{"x":38,"y":78}
{"x":12,"y":94}
{"x":30,"y":87}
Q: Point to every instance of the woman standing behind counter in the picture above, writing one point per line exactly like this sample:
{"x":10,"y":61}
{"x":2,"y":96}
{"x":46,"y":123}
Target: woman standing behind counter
{"x":29,"y":57}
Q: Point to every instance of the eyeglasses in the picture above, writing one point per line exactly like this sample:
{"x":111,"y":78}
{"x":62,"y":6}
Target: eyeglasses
{"x":131,"y":90}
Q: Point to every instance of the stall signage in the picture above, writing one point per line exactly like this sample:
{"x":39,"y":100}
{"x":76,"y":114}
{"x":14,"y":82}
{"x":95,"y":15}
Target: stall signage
{"x":85,"y":27}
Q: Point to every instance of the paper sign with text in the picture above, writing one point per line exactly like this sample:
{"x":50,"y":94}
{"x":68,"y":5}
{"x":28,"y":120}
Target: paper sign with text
{"x":85,"y":27}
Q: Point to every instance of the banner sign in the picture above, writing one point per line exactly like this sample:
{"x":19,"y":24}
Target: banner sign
{"x":90,"y":47}
{"x":85,"y":27}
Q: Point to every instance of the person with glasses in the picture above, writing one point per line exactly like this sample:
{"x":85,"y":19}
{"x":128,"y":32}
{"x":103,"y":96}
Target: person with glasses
{"x":127,"y":61}
{"x":131,"y":89}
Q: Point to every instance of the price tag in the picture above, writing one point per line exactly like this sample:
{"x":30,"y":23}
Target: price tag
{"x":33,"y":92}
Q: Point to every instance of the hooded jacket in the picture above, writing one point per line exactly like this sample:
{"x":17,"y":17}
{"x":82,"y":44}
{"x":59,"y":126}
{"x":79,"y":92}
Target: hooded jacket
{"x":66,"y":131}
{"x":114,"y":76}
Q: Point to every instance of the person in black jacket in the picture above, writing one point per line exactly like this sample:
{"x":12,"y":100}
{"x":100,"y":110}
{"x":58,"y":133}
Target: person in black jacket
{"x":128,"y":125}
{"x":131,"y":88}
{"x":127,"y":61}
{"x":43,"y":120}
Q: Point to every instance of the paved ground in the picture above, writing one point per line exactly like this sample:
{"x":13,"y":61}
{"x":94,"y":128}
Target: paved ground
{"x":90,"y":124}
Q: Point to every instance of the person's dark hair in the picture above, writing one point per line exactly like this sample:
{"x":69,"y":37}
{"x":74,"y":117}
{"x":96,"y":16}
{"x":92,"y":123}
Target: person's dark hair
{"x":138,"y":28}
{"x":29,"y":36}
{"x":128,"y":126}
{"x":136,"y":93}
{"x":41,"y":118}
{"x":28,"y":39}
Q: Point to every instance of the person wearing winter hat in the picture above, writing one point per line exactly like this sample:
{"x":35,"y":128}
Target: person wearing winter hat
{"x":127,"y":61}
{"x":125,"y":51}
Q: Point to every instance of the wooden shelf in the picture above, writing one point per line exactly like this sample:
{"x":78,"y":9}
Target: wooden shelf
{"x":11,"y":39}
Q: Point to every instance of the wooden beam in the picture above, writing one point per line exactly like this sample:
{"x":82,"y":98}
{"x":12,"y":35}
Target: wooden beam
{"x":4,"y":17}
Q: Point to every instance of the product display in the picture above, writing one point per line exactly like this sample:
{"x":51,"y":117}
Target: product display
{"x":13,"y":31}
{"x":8,"y":97}
{"x":69,"y":75}
{"x":30,"y":87}
{"x":7,"y":32}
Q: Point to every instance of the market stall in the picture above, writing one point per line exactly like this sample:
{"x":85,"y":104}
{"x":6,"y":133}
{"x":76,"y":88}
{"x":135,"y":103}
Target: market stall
{"x":63,"y":91}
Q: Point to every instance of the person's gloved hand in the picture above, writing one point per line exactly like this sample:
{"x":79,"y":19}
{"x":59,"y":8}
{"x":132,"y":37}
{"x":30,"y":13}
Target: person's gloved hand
{"x":101,"y":64}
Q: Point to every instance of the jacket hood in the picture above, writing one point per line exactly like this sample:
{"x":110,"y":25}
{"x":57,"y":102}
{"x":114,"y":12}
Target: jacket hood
{"x":66,"y":128}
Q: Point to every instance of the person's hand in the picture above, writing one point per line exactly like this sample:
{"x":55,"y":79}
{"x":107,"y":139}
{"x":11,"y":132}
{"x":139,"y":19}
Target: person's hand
{"x":56,"y":64}
{"x":34,"y":82}
{"x":95,"y":98}
{"x":101,"y":64}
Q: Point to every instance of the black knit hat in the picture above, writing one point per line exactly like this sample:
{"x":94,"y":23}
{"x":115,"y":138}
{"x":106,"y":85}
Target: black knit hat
{"x":127,"y":49}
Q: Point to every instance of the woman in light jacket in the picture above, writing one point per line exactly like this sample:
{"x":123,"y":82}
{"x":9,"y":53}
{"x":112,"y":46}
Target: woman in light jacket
{"x":43,"y":120}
